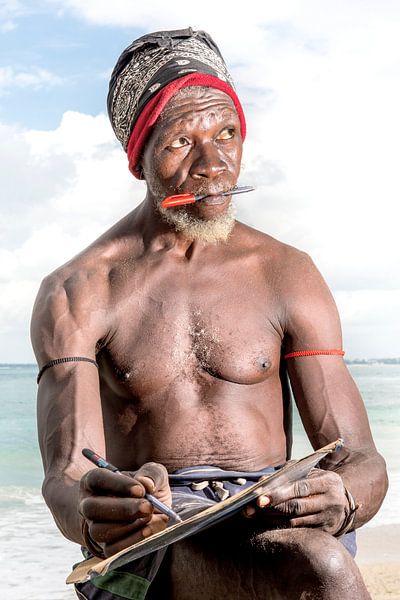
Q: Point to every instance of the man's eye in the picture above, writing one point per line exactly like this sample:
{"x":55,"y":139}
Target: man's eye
{"x":179,"y":143}
{"x":227,"y":133}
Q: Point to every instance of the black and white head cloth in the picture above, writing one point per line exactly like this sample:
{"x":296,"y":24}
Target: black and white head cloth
{"x":150,"y":71}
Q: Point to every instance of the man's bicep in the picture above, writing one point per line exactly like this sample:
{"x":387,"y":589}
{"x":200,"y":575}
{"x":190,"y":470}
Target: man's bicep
{"x":311,"y":317}
{"x":327,"y":397}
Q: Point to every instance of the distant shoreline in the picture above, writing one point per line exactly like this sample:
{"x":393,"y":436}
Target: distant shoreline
{"x":5,"y":365}
{"x":373,"y":361}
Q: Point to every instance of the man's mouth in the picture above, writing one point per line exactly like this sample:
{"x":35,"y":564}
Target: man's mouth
{"x":214,"y":199}
{"x":209,"y":198}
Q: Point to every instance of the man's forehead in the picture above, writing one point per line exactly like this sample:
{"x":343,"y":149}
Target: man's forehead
{"x":189,"y":104}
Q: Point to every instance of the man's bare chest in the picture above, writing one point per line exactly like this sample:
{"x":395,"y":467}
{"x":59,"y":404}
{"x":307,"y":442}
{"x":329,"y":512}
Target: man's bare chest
{"x":168,"y":328}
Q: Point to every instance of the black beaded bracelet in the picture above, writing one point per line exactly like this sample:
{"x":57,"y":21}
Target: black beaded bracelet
{"x":59,"y":361}
{"x":350,"y":516}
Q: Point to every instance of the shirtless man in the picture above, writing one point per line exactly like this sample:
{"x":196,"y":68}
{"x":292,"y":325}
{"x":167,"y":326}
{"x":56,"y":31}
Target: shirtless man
{"x":187,"y":313}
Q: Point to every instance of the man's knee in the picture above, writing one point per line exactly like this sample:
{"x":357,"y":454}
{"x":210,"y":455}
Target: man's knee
{"x":289,"y":564}
{"x":311,"y":559}
{"x":311,"y":547}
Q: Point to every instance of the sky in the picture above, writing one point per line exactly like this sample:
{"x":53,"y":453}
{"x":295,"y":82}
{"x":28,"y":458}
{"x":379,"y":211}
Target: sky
{"x":320,"y":84}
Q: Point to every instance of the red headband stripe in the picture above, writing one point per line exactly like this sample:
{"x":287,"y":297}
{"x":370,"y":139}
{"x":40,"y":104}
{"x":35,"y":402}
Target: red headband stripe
{"x":155,"y":106}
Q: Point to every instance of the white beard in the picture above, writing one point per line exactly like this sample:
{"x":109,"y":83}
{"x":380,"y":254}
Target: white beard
{"x":192,"y":226}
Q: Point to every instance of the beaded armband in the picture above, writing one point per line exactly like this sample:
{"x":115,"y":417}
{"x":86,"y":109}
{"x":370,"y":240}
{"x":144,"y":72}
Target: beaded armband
{"x":59,"y":361}
{"x":335,"y":351}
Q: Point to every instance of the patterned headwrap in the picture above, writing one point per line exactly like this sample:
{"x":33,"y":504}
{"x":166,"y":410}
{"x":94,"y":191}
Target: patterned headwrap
{"x":150,"y":71}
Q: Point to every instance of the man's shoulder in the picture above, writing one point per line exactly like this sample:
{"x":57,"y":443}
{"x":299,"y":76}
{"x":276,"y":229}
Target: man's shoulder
{"x":290,"y":270}
{"x":270,"y":247}
{"x":73,"y":304}
{"x":93,"y":266}
{"x":87,"y":269}
{"x":303,"y":294}
{"x":81,"y":286}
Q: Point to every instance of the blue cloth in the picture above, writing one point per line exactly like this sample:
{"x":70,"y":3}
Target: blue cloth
{"x":187,"y":501}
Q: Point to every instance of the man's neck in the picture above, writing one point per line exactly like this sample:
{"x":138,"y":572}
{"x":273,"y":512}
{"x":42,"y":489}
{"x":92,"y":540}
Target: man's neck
{"x":158,"y":235}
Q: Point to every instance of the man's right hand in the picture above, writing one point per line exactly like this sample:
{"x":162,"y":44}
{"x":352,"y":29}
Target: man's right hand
{"x":114,"y":509}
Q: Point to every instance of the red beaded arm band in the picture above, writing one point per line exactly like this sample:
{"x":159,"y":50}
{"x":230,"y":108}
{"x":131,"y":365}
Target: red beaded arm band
{"x":314,"y":353}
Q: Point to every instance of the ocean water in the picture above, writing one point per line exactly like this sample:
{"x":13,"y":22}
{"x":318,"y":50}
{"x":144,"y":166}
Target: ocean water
{"x":34,"y":557}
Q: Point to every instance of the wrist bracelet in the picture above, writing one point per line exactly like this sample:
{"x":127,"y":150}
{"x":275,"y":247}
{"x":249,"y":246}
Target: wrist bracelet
{"x":93,"y":547}
{"x":349,"y":519}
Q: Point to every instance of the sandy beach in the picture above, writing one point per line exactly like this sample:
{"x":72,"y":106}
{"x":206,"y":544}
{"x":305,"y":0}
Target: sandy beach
{"x":379,"y":560}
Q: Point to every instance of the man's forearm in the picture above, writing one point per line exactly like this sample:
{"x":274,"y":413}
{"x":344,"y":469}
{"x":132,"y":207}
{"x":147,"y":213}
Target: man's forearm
{"x":62,"y":499}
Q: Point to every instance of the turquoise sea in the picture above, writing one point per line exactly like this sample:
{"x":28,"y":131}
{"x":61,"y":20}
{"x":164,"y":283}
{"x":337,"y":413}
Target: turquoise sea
{"x":35,"y":558}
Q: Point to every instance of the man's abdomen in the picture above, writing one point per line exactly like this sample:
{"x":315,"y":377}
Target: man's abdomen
{"x":223,"y":424}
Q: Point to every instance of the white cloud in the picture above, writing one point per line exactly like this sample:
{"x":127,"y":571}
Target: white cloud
{"x":11,"y":8}
{"x":61,"y":190}
{"x":287,"y":19}
{"x":7,"y":26}
{"x":370,"y":320}
{"x":35,"y":78}
{"x":77,"y":134}
{"x":74,"y":183}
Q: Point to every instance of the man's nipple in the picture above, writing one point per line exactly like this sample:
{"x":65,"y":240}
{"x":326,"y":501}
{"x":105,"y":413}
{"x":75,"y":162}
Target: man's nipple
{"x":264,"y":363}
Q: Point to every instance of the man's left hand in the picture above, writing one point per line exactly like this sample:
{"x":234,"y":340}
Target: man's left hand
{"x":316,"y":501}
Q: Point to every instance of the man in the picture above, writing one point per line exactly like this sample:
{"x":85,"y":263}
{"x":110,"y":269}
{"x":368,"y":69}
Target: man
{"x":187,"y":314}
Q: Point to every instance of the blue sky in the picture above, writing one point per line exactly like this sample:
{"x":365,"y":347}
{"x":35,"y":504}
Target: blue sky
{"x":320,"y":84}
{"x":80,"y":55}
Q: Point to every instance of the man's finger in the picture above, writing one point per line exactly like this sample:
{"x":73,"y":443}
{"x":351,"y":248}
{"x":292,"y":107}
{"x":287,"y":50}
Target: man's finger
{"x":158,"y":523}
{"x":102,"y":509}
{"x":110,"y":532}
{"x":307,"y":521}
{"x":102,"y":481}
{"x":114,"y":547}
{"x":153,"y":476}
{"x":302,"y":488}
{"x":302,"y":506}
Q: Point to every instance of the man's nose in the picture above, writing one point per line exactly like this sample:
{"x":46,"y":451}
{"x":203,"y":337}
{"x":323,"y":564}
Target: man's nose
{"x":207,"y":163}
